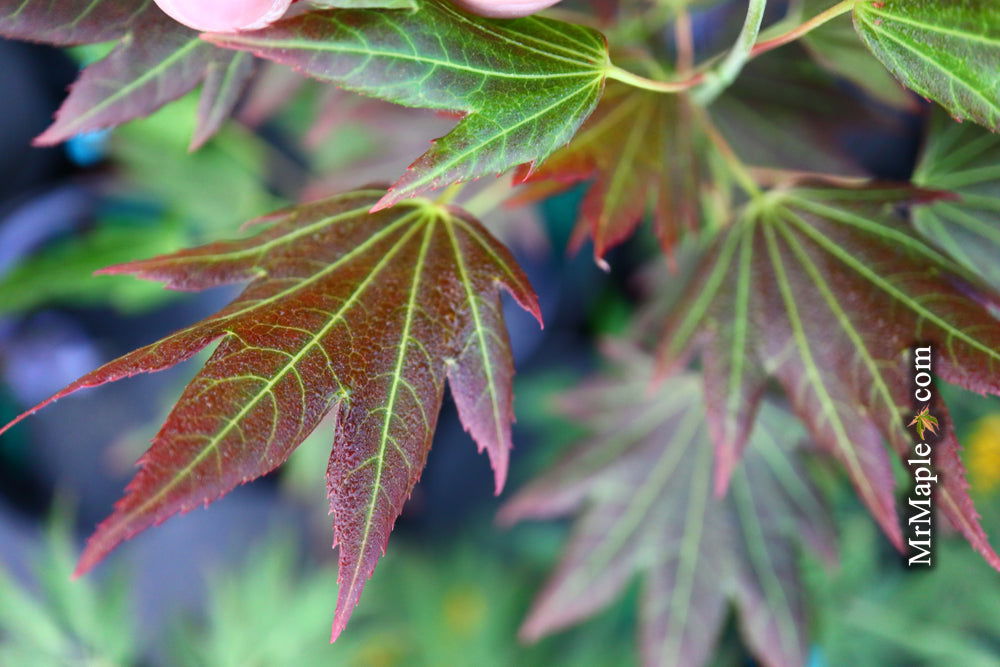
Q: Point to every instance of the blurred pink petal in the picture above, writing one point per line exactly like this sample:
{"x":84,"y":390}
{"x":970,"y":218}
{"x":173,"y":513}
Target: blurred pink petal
{"x":224,"y":15}
{"x":505,"y":8}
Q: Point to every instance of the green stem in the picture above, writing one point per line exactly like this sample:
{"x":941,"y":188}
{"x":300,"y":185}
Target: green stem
{"x":746,"y":48}
{"x":731,"y":66}
{"x":804,"y":28}
{"x":449,"y":193}
{"x":618,"y":74}
{"x":489,"y":198}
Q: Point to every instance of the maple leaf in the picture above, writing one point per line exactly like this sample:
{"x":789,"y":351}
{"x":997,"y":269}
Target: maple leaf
{"x":638,"y":148}
{"x":945,"y":51}
{"x":365,"y":314}
{"x":156,"y":61}
{"x":826,"y":289}
{"x":523,"y":86}
{"x":70,"y":22}
{"x":962,"y":158}
{"x":643,"y":484}
{"x":924,"y":421}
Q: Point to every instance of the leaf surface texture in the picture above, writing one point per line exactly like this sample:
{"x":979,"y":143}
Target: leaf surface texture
{"x":522,"y":86}
{"x":366,"y":314}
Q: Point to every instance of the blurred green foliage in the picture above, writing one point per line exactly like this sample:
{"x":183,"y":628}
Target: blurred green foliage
{"x":164,"y":200}
{"x":64,"y":622}
{"x":443,"y":606}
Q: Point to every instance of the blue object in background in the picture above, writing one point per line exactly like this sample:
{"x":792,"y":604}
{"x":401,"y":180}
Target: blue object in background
{"x":89,"y":148}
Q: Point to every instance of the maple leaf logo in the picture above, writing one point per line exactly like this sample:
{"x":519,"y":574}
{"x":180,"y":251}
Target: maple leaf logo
{"x":925,"y":421}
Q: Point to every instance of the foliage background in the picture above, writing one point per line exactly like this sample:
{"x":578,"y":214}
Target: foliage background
{"x":253,"y":580}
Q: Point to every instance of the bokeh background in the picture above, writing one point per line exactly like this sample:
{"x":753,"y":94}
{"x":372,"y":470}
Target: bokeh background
{"x":252,"y":580}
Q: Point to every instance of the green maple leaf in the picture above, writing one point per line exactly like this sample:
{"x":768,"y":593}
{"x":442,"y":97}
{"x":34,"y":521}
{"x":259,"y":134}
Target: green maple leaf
{"x":367,"y":315}
{"x":523,"y":86}
{"x":826,"y":289}
{"x":642,"y":487}
{"x":946,"y":50}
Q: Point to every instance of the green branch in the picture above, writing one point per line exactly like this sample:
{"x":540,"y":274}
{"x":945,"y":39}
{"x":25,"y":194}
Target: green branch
{"x":722,"y":77}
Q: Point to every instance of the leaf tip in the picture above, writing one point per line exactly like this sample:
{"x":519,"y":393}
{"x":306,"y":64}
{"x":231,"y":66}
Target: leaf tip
{"x":48,"y":138}
{"x":499,"y":476}
{"x":387,"y":201}
{"x":197,"y":142}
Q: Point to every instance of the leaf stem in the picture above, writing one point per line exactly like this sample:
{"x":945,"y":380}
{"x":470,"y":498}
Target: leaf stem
{"x":684,"y":39}
{"x":721,"y":77}
{"x":746,"y":48}
{"x":803,"y":28}
{"x":618,"y":74}
{"x":449,"y":193}
{"x":489,"y":198}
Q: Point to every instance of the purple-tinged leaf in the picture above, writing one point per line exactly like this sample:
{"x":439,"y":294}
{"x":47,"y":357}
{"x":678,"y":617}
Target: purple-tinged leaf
{"x":156,"y":63}
{"x":638,"y":148}
{"x":836,"y":289}
{"x":368,"y":314}
{"x":643,"y":485}
{"x":70,"y":22}
{"x":226,"y":77}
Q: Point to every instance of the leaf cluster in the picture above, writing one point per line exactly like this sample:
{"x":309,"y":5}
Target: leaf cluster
{"x":808,"y":289}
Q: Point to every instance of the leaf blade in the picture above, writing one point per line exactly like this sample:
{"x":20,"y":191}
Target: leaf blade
{"x":843,"y":290}
{"x":72,"y":22}
{"x":523,"y":86}
{"x":944,"y":51}
{"x":156,"y":63}
{"x":362,"y":313}
{"x":652,"y":514}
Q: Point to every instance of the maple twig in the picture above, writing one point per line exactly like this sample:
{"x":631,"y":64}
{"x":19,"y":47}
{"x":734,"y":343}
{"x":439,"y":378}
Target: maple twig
{"x":803,"y":28}
{"x":746,"y":48}
{"x":619,"y":74}
{"x":449,"y":193}
{"x":489,"y":198}
{"x":684,"y":38}
{"x":721,"y":77}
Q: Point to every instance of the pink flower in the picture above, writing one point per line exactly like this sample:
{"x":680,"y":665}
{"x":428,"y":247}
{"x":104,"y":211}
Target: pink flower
{"x":505,"y":8}
{"x":236,"y":15}
{"x":225,"y":15}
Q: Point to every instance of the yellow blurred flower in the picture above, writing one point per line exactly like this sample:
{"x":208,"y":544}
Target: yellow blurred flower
{"x":465,"y":610}
{"x":984,"y":454}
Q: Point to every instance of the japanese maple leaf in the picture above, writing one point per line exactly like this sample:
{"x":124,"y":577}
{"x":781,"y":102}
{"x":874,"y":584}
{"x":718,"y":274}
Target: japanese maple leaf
{"x":522,"y":86}
{"x":827,"y":290}
{"x":945,"y":51}
{"x":638,"y":148}
{"x":364,"y":314}
{"x":924,"y":421}
{"x":156,"y":61}
{"x":642,"y":486}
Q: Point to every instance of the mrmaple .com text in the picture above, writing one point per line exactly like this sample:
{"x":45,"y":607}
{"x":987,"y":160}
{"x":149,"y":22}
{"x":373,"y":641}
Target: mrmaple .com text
{"x":920,"y":516}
